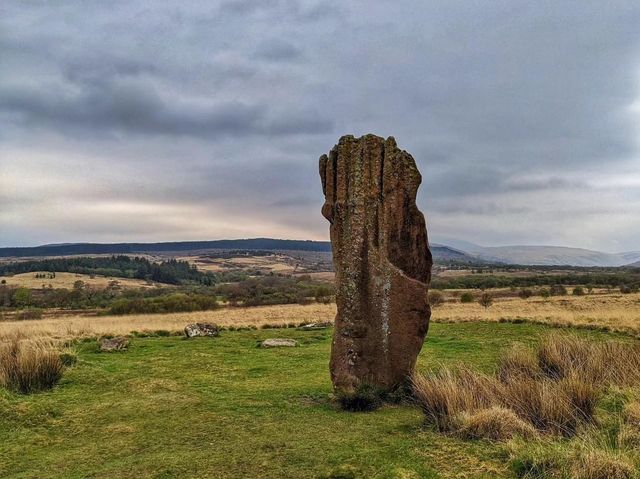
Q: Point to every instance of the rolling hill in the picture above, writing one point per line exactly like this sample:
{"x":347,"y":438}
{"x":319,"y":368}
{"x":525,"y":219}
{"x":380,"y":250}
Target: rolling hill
{"x":544,"y":255}
{"x":453,"y":251}
{"x":441,"y":253}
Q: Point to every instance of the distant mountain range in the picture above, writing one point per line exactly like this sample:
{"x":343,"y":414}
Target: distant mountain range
{"x":455,"y":250}
{"x":546,"y":255}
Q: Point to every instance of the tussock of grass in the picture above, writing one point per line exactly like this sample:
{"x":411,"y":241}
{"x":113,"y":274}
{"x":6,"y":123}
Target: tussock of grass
{"x":518,"y":362}
{"x":586,"y":459}
{"x":599,"y":464}
{"x":602,"y":363}
{"x":535,"y":460}
{"x":632,"y":413}
{"x":629,"y":438}
{"x":495,"y":423}
{"x":554,"y":388}
{"x":448,"y":393}
{"x":28,"y":366}
{"x":366,"y":397}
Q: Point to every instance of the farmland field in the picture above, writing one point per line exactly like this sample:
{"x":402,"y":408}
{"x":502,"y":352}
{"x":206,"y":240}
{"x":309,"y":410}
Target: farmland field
{"x":66,"y":280}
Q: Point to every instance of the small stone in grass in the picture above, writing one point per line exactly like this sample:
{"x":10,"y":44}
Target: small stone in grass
{"x":279,"y":343}
{"x":108,"y":345}
{"x":201,"y":329}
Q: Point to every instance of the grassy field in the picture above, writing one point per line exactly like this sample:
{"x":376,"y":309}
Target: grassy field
{"x":612,"y":311}
{"x":222,"y":408}
{"x":66,"y":280}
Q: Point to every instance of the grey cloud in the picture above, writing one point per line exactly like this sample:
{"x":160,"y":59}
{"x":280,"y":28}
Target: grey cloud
{"x":508,"y":107}
{"x":278,"y":51}
{"x":139,"y":108}
{"x":301,"y":11}
{"x":244,"y":7}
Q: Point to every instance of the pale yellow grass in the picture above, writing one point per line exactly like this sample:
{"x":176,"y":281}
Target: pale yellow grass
{"x":83,"y":326}
{"x":275,"y":263}
{"x":66,"y":280}
{"x":615,"y":312}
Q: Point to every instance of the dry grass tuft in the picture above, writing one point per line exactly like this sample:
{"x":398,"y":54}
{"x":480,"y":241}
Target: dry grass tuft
{"x":446,"y":394}
{"x":602,"y":465}
{"x":558,"y":407}
{"x":632,"y":413}
{"x":518,"y":362}
{"x":495,"y":424}
{"x":554,"y":388}
{"x":28,"y":366}
{"x":603,"y":363}
{"x":629,"y":437}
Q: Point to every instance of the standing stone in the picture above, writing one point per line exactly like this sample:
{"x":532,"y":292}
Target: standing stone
{"x":382,"y":261}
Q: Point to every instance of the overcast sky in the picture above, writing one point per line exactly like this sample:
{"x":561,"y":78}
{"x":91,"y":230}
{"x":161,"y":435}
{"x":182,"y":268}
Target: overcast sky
{"x":184,"y":120}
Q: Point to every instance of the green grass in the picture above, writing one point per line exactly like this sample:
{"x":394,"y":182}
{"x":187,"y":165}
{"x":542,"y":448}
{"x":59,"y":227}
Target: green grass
{"x":223,"y":408}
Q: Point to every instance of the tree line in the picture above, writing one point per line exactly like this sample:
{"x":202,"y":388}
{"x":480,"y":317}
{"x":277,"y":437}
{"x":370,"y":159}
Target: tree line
{"x":623,"y":278}
{"x":121,"y":266}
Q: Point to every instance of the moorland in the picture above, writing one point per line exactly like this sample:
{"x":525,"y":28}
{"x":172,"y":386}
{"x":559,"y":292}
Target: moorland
{"x":225,"y":407}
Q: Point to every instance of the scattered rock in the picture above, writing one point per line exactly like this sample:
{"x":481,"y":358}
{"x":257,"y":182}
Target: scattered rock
{"x":109,"y":345}
{"x":314,"y":326}
{"x":201,"y":329}
{"x":382,"y":261}
{"x":279,"y":343}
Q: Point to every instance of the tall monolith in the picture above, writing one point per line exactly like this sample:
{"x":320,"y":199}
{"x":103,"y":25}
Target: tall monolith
{"x":382,"y":262}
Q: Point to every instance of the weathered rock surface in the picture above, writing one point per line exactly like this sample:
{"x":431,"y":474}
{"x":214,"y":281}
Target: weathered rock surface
{"x":279,"y":343}
{"x":109,"y":345}
{"x":382,"y":261}
{"x":201,"y":329}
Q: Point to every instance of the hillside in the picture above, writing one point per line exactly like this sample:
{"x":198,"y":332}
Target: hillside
{"x":452,"y":251}
{"x":550,"y":255}
{"x":441,"y":253}
{"x":543,"y":255}
{"x":174,"y":246}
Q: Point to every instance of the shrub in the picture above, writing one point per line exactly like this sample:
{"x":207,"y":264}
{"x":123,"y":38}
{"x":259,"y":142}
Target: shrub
{"x":578,"y":291}
{"x":173,"y":303}
{"x":545,"y":293}
{"x":28,"y":314}
{"x":525,"y":293}
{"x":495,"y":424}
{"x":628,"y":289}
{"x":485,"y":300}
{"x":323,"y":294}
{"x":436,"y":298}
{"x":29,"y":366}
{"x":557,"y":290}
{"x":21,"y":297}
{"x":366,"y":397}
{"x":466,"y":297}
